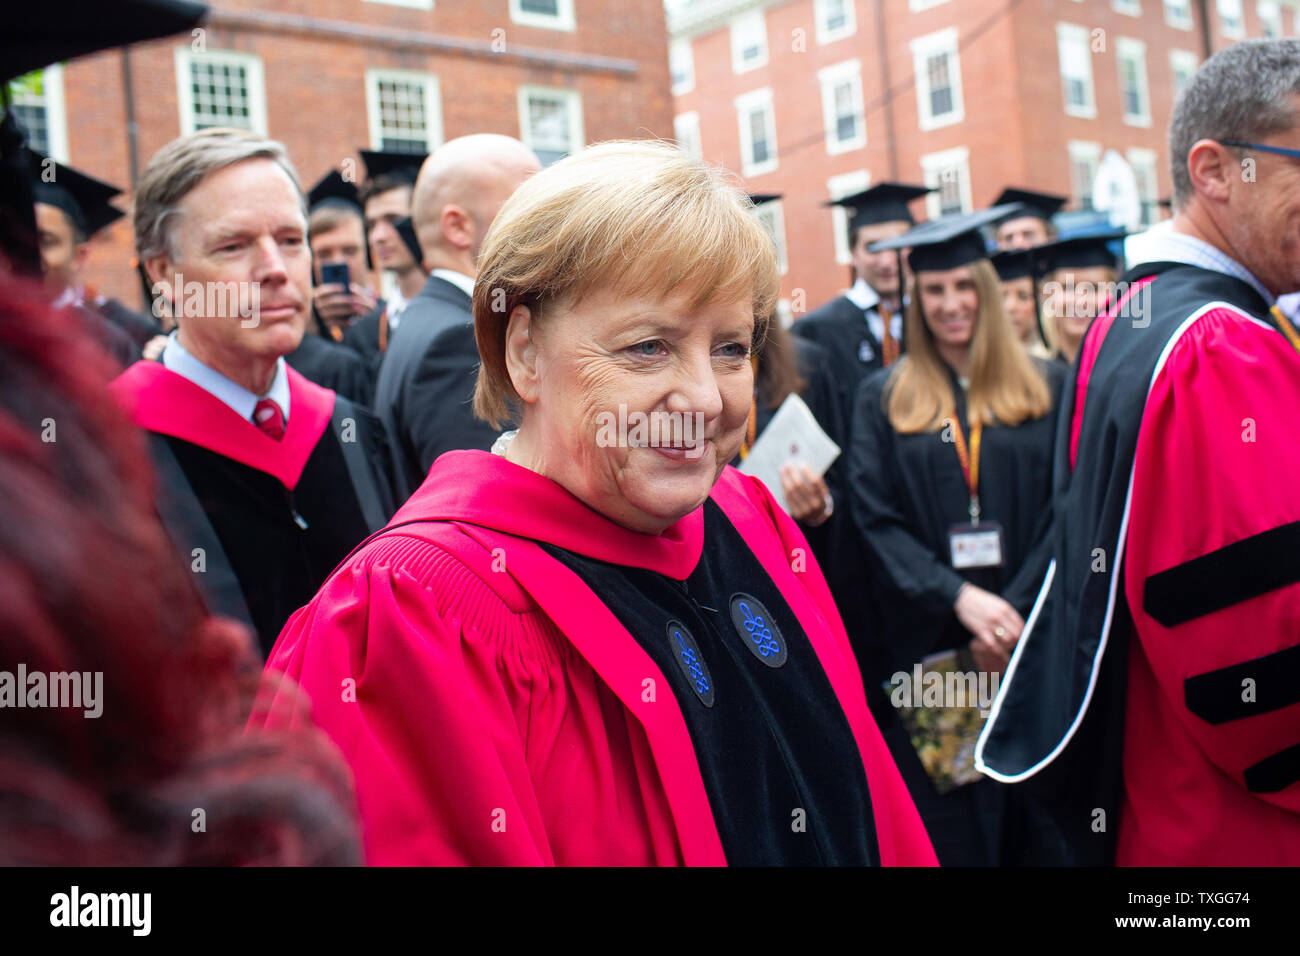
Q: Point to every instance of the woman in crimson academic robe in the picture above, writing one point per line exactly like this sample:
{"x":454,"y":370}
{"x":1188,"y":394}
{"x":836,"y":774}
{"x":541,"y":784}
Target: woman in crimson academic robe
{"x":598,"y":644}
{"x":950,"y":478}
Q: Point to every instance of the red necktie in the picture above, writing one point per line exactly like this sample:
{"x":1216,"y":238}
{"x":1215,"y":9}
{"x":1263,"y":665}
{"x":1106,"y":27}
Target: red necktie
{"x":268,"y":417}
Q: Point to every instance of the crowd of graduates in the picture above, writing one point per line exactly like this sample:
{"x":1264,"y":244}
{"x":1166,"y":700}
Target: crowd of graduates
{"x":1009,"y":403}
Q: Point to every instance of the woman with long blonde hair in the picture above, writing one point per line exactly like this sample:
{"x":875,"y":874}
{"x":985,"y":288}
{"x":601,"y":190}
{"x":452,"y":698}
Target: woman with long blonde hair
{"x":950,"y":478}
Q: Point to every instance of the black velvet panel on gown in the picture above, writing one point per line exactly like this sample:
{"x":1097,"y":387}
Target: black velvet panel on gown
{"x":768,"y":730}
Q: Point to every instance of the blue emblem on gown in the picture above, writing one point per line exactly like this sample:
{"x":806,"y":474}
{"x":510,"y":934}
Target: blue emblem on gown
{"x":687,"y":654}
{"x":757,"y":629}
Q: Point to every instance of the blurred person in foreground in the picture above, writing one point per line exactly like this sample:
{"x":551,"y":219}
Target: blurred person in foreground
{"x":267,"y":480}
{"x":1154,"y":697}
{"x":589,"y":645}
{"x":92,"y":586}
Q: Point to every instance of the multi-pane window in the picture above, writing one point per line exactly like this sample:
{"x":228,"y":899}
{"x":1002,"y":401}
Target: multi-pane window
{"x":938,"y":79}
{"x":220,"y":89}
{"x":686,"y":130}
{"x":949,"y":173}
{"x":1270,"y":17}
{"x":1132,"y":57}
{"x":1084,"y":160}
{"x":36,"y":101}
{"x":748,"y":42}
{"x":405,"y":112}
{"x":835,"y":20}
{"x":1132,"y":8}
{"x":681,"y":61}
{"x":772,"y":218}
{"x":1232,"y":20}
{"x":1183,"y":65}
{"x":842,"y":111}
{"x":1143,"y":164}
{"x":550,"y":122}
{"x":551,"y":14}
{"x":1178,"y":13}
{"x":757,"y":132}
{"x":845,"y":184}
{"x":1076,"y":69}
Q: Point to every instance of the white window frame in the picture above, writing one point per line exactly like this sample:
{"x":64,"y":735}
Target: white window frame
{"x":1238,"y":32}
{"x":933,"y":166}
{"x":1187,"y":59}
{"x":432,"y":105}
{"x":774,"y":209}
{"x":686,"y":131}
{"x":414,"y":4}
{"x":829,"y":77}
{"x":573,"y":103}
{"x":753,"y":21}
{"x":944,"y":41}
{"x":746,"y":103}
{"x":845,"y":184}
{"x":1129,"y":8}
{"x":1127,"y":48}
{"x":1273,"y":17}
{"x":563,"y":19}
{"x":825,"y":35}
{"x":1148,"y":161}
{"x":1071,"y":34}
{"x":1178,"y":14}
{"x":677,"y":50}
{"x":1085,"y":151}
{"x":916,"y":6}
{"x":56,"y":116}
{"x":185,"y":56}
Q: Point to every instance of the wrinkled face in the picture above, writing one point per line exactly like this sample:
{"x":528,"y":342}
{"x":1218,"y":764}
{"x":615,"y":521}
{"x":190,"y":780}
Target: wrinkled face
{"x":1023,"y":233}
{"x":683,"y":374}
{"x":950,"y":304}
{"x":879,"y":269}
{"x":61,"y":254}
{"x":241,"y":256}
{"x":345,"y":243}
{"x":386,"y":246}
{"x":1262,"y":221}
{"x":1021,"y":307}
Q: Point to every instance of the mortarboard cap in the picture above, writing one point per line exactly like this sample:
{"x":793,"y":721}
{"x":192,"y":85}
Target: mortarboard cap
{"x":1081,"y":252}
{"x":883,"y":202}
{"x":1015,"y":264}
{"x":1039,"y":205}
{"x":946,"y":243}
{"x":83,"y":198}
{"x":401,"y":165}
{"x":406,"y":229}
{"x":335,"y":190}
{"x":759,"y":198}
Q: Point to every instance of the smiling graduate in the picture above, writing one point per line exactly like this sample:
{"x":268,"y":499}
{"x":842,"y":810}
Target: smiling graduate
{"x":563,"y":652}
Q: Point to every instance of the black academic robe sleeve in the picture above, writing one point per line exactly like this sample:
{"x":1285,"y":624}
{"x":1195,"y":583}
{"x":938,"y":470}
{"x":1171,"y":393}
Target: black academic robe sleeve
{"x":1022,"y":590}
{"x":334,"y":367}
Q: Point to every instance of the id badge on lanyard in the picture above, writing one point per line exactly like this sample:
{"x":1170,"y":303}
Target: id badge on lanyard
{"x":978,"y":544}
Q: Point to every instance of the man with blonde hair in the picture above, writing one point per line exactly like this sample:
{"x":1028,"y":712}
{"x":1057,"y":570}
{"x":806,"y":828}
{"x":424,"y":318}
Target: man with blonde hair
{"x":266,"y":480}
{"x":426,"y":384}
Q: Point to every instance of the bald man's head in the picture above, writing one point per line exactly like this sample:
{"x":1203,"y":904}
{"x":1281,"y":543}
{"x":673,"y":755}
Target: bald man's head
{"x":460,"y":189}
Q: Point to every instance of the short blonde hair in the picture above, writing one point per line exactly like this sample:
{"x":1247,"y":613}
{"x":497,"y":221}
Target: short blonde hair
{"x":641,"y":216}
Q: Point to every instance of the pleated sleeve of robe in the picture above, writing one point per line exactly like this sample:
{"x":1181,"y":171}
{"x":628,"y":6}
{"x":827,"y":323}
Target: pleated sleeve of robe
{"x":489,"y":722}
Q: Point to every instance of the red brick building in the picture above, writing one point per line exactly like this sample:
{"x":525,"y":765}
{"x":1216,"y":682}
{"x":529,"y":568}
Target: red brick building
{"x":327,"y":77}
{"x":814,"y":98}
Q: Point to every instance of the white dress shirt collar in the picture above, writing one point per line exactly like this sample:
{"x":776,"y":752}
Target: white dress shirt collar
{"x":868,"y":300}
{"x":458,"y":279}
{"x":176,"y":359}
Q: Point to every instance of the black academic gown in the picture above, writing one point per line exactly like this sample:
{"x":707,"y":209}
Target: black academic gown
{"x":841,"y":328}
{"x":260,"y":523}
{"x":139,"y":326}
{"x":332,"y":366}
{"x":362,"y":337}
{"x":906,"y":493}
